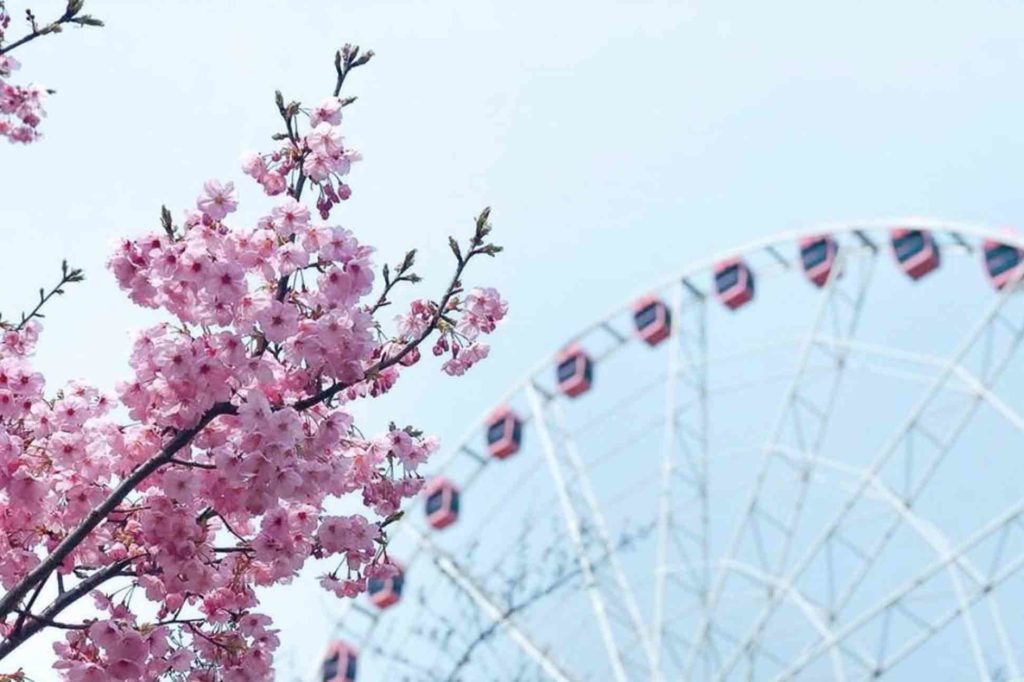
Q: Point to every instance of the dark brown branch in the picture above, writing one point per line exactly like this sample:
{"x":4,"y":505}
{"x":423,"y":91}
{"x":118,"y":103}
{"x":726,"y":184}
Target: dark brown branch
{"x":28,"y":607}
{"x":402,"y":274}
{"x":228,"y":526}
{"x":40,"y":621}
{"x":183,"y":438}
{"x":346,"y":59}
{"x":196,"y":631}
{"x":48,"y":622}
{"x":179,"y":621}
{"x":72,"y":15}
{"x":100,"y":513}
{"x":191,"y":465}
{"x":454,"y":287}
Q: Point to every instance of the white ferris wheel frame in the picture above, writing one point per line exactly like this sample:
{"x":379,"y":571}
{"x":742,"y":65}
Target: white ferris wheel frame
{"x":865,"y":239}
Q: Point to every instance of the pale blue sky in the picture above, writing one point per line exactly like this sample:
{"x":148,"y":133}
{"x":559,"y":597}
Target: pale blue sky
{"x":616,"y":141}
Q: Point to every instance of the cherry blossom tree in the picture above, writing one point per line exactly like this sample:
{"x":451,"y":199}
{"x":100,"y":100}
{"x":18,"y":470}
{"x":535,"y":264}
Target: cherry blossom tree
{"x":208,"y":475}
{"x":21,"y":106}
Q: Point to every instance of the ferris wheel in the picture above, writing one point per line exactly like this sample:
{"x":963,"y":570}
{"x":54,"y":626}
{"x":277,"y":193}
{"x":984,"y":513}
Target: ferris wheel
{"x":800,"y":460}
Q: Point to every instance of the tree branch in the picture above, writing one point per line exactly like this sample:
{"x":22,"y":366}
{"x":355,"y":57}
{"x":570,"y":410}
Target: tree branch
{"x":454,"y":287}
{"x":183,"y":438}
{"x":28,"y":607}
{"x":42,"y":620}
{"x":100,"y":513}
{"x":345,"y":60}
{"x":72,"y":15}
{"x":69,"y":275}
{"x":52,"y":623}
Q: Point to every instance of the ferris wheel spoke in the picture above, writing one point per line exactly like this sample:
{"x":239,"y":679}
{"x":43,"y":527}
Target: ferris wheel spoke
{"x":841,"y":304}
{"x":677,"y":645}
{"x":794,"y":587}
{"x":942,"y":444}
{"x":573,"y":527}
{"x":812,"y":613}
{"x":687,"y":352}
{"x":498,"y":614}
{"x":811,"y":413}
{"x":893,"y":447}
{"x":1005,"y":568}
{"x":970,"y":382}
{"x":610,"y":550}
{"x":940,"y":544}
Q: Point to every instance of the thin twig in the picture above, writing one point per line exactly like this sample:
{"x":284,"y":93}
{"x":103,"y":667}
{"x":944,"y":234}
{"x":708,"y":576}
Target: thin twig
{"x":72,"y":15}
{"x":69,"y":275}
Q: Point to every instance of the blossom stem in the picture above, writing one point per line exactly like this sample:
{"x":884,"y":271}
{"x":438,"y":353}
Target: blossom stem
{"x":68,"y":276}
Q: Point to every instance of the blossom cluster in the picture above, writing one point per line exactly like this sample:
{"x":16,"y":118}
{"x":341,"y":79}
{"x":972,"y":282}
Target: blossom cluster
{"x":482,"y":309}
{"x":117,"y":648}
{"x":239,"y":424}
{"x":320,"y":156}
{"x":21,"y":106}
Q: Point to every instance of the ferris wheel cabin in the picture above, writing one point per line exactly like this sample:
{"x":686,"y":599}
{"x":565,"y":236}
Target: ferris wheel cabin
{"x":574,"y":371}
{"x":504,"y":433}
{"x":1002,"y":262}
{"x":653,"y":320}
{"x":339,"y":663}
{"x":442,"y":503}
{"x":916,"y":252}
{"x":734,"y":283}
{"x":818,"y":257}
{"x":385,"y":592}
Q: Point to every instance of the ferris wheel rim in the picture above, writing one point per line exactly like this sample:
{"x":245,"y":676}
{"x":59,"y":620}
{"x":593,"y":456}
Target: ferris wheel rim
{"x":976,"y":231}
{"x":966,"y":234}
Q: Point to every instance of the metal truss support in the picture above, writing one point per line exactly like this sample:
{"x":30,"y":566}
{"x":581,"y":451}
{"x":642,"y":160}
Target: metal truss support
{"x":496,"y":613}
{"x":573,"y":527}
{"x":906,"y":590}
{"x":808,"y":418}
{"x":809,"y":611}
{"x":939,"y":543}
{"x":910,"y":425}
{"x":687,"y":366}
{"x":601,"y":526}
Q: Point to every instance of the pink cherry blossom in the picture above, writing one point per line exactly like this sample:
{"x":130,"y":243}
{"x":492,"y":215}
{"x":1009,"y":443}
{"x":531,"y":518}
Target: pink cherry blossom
{"x":289,"y":216}
{"x":328,"y":111}
{"x":234,"y":432}
{"x":217,"y":200}
{"x":466,"y":358}
{"x":483,"y":309}
{"x":21,"y":107}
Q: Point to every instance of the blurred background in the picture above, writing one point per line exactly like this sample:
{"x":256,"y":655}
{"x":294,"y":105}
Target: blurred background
{"x":615,"y":141}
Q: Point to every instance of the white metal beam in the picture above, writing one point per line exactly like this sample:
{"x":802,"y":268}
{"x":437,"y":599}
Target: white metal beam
{"x":805,"y":607}
{"x":499,"y":615}
{"x":629,"y":598}
{"x":830,"y":295}
{"x":1011,"y":516}
{"x":572,"y":523}
{"x":940,"y":544}
{"x":667,"y":468}
{"x":887,"y":451}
